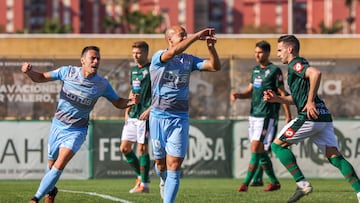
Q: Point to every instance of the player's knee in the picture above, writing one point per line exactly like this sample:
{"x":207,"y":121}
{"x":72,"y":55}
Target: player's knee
{"x":124,"y":149}
{"x":335,"y":161}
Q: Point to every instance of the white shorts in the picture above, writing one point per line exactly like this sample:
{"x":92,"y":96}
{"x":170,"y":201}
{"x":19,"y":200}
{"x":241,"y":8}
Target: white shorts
{"x":135,"y":130}
{"x":261,"y":129}
{"x":321,"y":133}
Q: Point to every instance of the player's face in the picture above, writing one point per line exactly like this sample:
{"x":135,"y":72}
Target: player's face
{"x":139,"y":56}
{"x":260,"y":55}
{"x":90,"y":62}
{"x":283,"y":53}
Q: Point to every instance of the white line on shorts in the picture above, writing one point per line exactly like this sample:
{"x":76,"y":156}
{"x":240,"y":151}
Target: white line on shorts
{"x":115,"y":199}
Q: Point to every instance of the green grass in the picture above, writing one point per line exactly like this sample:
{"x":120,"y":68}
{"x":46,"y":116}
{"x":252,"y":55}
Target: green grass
{"x":191,"y":190}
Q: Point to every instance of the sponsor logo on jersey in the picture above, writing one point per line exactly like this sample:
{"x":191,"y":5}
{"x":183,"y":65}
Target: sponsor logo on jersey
{"x":298,"y":67}
{"x":289,"y":133}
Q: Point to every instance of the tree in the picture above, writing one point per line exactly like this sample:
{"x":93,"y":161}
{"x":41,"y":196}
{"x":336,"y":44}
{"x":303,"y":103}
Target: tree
{"x":333,"y":29}
{"x":54,"y":26}
{"x":133,"y":21}
{"x":350,"y":19}
{"x":144,"y":23}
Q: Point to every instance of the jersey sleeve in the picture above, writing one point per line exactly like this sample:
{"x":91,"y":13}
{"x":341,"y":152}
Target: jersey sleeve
{"x":198,"y":63}
{"x":60,"y":73}
{"x":110,"y":93}
{"x":299,"y":68}
{"x":156,"y":59}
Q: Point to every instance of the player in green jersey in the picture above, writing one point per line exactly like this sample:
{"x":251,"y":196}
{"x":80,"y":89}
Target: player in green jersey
{"x":136,"y":128}
{"x":262,"y":117}
{"x":313,"y":121}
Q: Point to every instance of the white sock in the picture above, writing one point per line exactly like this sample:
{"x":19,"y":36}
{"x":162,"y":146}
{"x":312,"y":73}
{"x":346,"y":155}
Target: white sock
{"x":302,"y":183}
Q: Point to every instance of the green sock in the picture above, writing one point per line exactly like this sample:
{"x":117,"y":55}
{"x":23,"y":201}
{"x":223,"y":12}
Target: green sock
{"x":288,"y":160}
{"x":144,"y":167}
{"x":347,"y":171}
{"x":133,"y":161}
{"x":266,"y":164}
{"x":254,"y":162}
{"x":258,"y":174}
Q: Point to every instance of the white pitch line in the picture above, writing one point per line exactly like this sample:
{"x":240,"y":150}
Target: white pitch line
{"x":99,"y":195}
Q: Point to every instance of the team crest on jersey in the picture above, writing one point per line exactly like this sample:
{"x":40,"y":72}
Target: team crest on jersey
{"x":94,"y":90}
{"x":267,"y":72}
{"x":289,"y":133}
{"x":298,"y":67}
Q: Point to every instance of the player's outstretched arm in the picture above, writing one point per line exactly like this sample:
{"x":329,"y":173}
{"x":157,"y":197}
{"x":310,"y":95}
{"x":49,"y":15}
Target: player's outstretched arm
{"x":35,"y":76}
{"x":185,"y":42}
{"x":123,"y":103}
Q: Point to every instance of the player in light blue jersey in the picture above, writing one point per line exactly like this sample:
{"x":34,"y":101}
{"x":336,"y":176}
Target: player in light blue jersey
{"x":81,"y":89}
{"x":169,"y":116}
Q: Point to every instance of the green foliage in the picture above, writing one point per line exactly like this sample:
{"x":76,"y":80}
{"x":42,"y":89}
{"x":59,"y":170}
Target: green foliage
{"x":52,"y":26}
{"x":144,"y":23}
{"x":134,"y":22}
{"x":333,"y":29}
{"x":206,"y":190}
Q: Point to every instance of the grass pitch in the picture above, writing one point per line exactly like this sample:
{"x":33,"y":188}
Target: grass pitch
{"x":192,"y":190}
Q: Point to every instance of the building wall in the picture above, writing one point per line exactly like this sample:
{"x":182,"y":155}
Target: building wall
{"x":86,"y":16}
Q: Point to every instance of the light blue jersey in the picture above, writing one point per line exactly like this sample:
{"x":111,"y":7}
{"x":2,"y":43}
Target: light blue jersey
{"x":169,"y":116}
{"x":170,"y":84}
{"x":78,"y":96}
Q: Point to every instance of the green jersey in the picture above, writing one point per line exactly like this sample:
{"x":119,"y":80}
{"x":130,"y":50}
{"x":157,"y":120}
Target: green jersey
{"x":262,"y":79}
{"x":140,"y":84}
{"x":299,"y":87}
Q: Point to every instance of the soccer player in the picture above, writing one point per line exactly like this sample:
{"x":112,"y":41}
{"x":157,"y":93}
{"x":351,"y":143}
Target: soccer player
{"x":257,"y":179}
{"x":170,"y":71}
{"x":313,"y":121}
{"x":81,"y":88}
{"x":265,"y":76}
{"x":136,"y":128}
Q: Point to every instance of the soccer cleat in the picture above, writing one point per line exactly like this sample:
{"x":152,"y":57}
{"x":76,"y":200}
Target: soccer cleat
{"x":142,"y":189}
{"x":162,"y":188}
{"x":243,"y":188}
{"x":257,"y":183}
{"x":272,"y":187}
{"x":300,"y":192}
{"x":34,"y":200}
{"x":137,"y":184}
{"x":50,"y":197}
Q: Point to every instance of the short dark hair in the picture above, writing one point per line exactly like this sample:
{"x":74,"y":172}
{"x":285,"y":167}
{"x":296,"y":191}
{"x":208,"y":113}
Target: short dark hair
{"x":141,"y":45}
{"x":290,"y":40}
{"x":87,"y":48}
{"x":264,"y":45}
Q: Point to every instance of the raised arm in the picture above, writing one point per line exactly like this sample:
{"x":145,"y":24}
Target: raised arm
{"x":213,"y":64}
{"x":179,"y":41}
{"x":35,"y":76}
